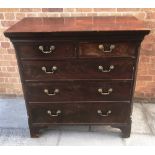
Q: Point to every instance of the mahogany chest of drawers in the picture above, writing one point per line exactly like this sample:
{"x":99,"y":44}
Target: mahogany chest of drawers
{"x":78,"y":70}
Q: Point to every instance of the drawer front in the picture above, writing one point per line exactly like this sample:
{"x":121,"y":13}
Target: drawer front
{"x":78,"y":91}
{"x":101,"y":49}
{"x":113,"y":112}
{"x":111,"y":68}
{"x":45,"y":50}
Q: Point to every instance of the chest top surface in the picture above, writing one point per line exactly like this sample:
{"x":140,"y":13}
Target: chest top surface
{"x":77,"y":24}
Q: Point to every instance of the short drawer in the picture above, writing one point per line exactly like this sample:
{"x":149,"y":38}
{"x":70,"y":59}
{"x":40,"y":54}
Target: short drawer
{"x":99,"y":113}
{"x":109,"y":68}
{"x":104,"y":49}
{"x":55,"y":49}
{"x":78,"y":91}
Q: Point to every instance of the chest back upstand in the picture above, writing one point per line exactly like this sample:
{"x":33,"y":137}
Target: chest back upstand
{"x":78,"y":70}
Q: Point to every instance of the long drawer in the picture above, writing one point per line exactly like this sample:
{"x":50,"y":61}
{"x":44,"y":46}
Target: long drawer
{"x":108,"y":49}
{"x":78,"y":91}
{"x":108,"y":68}
{"x":46,"y":49}
{"x":113,"y":112}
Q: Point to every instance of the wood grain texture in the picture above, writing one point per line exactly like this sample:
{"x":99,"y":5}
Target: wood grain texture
{"x":81,"y":112}
{"x":78,"y":69}
{"x":29,"y":50}
{"x":77,"y":58}
{"x":123,"y":49}
{"x":78,"y":91}
{"x":74,"y":24}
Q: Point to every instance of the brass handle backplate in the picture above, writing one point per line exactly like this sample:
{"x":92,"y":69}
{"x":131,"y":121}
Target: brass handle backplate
{"x":51,"y":94}
{"x":102,"y":48}
{"x":100,"y":90}
{"x":58,"y":113}
{"x":100,"y":113}
{"x":101,"y":68}
{"x":52,"y":48}
{"x":54,"y":68}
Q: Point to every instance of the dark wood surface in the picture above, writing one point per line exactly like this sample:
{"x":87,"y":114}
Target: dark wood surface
{"x":122,"y":49}
{"x":81,"y":112}
{"x":77,"y":57}
{"x":79,"y":91}
{"x":65,"y":49}
{"x":78,"y":69}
